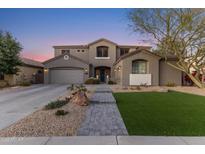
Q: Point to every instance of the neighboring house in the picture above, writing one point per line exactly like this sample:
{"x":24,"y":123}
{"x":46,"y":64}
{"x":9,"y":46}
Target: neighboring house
{"x":106,"y":60}
{"x":31,"y":71}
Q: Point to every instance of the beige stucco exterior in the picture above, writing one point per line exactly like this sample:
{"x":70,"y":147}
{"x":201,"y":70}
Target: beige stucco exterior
{"x":102,"y":62}
{"x":62,"y":63}
{"x":152,"y":67}
{"x":117,"y":73}
{"x":169,"y":74}
{"x":81,"y":53}
{"x":25,"y":74}
{"x":120,"y":69}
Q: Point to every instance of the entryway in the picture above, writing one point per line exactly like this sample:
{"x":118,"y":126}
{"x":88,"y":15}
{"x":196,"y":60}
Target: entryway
{"x":102,"y":73}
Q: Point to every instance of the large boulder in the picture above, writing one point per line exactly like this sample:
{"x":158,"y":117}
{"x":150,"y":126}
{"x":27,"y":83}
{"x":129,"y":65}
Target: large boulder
{"x":80,"y":98}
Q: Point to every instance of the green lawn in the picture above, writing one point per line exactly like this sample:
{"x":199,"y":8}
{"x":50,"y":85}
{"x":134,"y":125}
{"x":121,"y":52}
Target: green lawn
{"x":154,"y":113}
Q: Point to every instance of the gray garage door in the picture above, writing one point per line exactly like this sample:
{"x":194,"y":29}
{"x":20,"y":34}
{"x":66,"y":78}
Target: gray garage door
{"x":66,"y":76}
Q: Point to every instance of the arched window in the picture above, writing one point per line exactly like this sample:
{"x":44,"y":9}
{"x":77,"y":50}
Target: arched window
{"x":102,"y":51}
{"x":139,"y":66}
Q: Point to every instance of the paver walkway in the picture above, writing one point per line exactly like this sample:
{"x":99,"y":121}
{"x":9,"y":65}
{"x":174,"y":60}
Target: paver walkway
{"x":102,"y":115}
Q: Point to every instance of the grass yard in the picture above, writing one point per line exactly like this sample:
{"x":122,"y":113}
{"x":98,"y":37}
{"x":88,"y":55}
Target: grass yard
{"x":168,"y":114}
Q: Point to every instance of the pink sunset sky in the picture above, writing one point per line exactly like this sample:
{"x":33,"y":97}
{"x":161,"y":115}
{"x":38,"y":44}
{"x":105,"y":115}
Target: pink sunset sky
{"x":40,"y":29}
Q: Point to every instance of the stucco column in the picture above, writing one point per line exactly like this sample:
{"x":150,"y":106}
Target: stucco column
{"x":46,"y":75}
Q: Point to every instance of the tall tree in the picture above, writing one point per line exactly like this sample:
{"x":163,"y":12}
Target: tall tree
{"x":178,"y":32}
{"x":9,"y":53}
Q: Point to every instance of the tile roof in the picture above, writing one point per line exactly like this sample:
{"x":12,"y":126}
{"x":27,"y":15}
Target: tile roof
{"x":31,"y":62}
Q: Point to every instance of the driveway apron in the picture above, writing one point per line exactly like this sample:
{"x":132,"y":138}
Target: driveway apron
{"x":102,"y":116}
{"x":18,"y":103}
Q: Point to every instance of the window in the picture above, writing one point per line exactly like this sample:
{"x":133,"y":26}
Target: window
{"x":78,"y":50}
{"x":1,"y":76}
{"x":102,"y":51}
{"x":139,"y":67}
{"x":124,"y":51}
{"x":65,"y":51}
{"x":83,"y":50}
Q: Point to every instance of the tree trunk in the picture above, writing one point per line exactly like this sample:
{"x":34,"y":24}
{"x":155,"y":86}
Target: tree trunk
{"x":196,"y":82}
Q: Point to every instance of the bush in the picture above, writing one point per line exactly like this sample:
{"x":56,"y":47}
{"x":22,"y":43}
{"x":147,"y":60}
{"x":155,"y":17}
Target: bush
{"x":3,"y":84}
{"x":77,"y":88}
{"x":92,"y":81}
{"x":61,"y":112}
{"x":25,"y":83}
{"x":55,"y":104}
{"x":144,"y":85}
{"x":111,"y":82}
{"x":170,"y":84}
{"x":135,"y":87}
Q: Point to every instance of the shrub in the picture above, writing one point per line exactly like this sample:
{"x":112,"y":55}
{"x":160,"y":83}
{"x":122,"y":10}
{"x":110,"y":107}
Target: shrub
{"x":143,"y":85}
{"x":77,"y":88}
{"x":111,"y":82}
{"x":25,"y":83}
{"x":137,"y":87}
{"x":55,"y":104}
{"x":71,"y":87}
{"x":61,"y":112}
{"x":3,"y":84}
{"x":170,"y":84}
{"x":92,"y":81}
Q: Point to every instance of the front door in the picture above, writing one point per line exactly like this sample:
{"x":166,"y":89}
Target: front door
{"x":102,"y":75}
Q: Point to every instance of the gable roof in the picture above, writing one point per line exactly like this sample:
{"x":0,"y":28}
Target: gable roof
{"x":136,"y":52}
{"x":134,"y":46}
{"x":71,"y":46}
{"x":57,"y":57}
{"x":30,"y":62}
{"x":86,"y":46}
{"x":102,"y":39}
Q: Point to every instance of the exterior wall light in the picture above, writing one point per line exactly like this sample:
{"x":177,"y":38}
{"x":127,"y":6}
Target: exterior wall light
{"x":45,"y":70}
{"x":97,"y":76}
{"x":86,"y":70}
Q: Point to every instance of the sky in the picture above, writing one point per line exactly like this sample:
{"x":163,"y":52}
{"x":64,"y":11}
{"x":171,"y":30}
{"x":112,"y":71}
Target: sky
{"x":40,"y":29}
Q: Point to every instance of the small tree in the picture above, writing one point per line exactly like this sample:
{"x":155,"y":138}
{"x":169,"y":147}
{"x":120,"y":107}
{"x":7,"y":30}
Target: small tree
{"x":9,"y":54}
{"x":178,"y":32}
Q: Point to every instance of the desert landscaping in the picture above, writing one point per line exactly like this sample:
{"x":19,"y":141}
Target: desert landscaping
{"x":50,"y":121}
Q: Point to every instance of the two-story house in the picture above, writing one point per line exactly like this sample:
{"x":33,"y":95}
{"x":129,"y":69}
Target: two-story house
{"x":107,"y":60}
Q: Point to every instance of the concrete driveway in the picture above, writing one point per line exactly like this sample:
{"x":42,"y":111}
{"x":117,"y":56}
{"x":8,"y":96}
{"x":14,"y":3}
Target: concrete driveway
{"x":17,"y":103}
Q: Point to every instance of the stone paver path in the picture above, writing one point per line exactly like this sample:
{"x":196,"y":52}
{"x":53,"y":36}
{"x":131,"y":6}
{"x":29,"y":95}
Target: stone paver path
{"x":102,"y":116}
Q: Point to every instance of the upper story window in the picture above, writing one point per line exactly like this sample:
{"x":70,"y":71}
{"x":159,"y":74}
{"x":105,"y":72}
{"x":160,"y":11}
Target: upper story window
{"x":124,"y":51}
{"x":65,"y":51}
{"x":102,"y":51}
{"x":139,"y":66}
{"x":78,"y":50}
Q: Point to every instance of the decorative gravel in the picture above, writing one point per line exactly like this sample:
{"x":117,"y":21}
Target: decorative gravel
{"x":46,"y":123}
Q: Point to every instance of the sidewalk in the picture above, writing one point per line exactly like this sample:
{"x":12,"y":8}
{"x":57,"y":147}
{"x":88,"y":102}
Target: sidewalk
{"x":104,"y":140}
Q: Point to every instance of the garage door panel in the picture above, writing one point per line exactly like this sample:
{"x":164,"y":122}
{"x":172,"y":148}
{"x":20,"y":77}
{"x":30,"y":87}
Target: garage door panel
{"x":66,"y":76}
